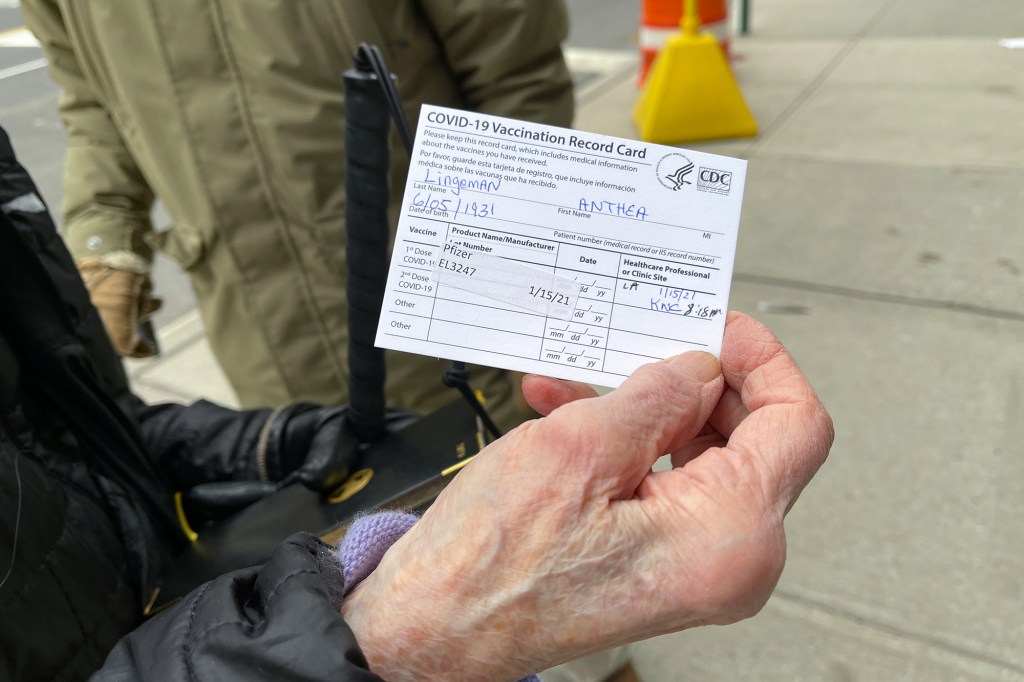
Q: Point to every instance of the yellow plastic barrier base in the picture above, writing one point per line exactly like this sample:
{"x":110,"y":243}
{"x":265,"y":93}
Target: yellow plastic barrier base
{"x":691,"y":95}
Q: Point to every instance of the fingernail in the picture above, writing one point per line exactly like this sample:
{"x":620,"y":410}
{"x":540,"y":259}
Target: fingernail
{"x":703,"y":366}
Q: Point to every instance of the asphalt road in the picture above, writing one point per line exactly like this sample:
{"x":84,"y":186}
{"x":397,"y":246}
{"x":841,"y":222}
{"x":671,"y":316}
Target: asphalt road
{"x":28,"y":110}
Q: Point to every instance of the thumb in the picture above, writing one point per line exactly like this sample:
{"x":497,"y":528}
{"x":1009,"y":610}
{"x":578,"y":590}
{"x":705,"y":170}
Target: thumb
{"x":545,"y":394}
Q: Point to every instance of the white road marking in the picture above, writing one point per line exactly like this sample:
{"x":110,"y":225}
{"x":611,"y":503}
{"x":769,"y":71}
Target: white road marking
{"x":17,"y":69}
{"x":18,"y":37}
{"x":607,"y":65}
{"x":598,"y":61}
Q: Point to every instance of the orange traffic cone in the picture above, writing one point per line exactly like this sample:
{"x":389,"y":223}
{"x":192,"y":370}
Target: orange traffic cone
{"x":660,"y":20}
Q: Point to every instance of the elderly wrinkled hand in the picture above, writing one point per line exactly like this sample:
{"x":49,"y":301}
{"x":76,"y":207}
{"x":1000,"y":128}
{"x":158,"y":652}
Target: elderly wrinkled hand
{"x":559,"y":539}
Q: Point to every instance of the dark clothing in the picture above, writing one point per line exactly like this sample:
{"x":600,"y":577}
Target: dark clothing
{"x":88,"y":521}
{"x":279,"y":622}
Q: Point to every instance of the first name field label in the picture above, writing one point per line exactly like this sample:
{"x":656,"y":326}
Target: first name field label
{"x":559,"y":252}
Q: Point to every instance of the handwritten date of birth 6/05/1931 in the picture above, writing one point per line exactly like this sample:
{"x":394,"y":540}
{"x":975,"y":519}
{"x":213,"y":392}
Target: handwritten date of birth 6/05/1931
{"x":429,"y":202}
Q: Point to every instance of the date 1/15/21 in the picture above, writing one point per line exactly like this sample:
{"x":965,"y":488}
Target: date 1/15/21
{"x":457,"y":207}
{"x":548,"y":295}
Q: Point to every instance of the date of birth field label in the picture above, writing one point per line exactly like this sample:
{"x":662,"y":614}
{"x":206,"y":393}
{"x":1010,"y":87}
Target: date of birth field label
{"x":559,"y":252}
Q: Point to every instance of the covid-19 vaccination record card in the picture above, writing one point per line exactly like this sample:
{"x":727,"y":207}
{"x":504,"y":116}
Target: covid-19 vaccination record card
{"x":559,"y":252}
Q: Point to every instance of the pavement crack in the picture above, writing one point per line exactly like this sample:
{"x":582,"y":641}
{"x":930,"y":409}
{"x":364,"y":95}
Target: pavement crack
{"x":839,"y":160}
{"x":896,"y":299}
{"x":813,"y":86}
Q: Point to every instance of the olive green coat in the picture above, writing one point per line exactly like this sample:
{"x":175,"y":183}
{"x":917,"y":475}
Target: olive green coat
{"x":231,"y":112}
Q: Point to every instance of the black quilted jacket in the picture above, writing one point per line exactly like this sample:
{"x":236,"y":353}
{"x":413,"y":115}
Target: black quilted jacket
{"x":87,"y":522}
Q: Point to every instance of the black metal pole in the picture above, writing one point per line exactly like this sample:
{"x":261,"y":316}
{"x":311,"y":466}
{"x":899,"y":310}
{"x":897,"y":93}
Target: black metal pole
{"x":370,"y":96}
{"x":366,"y":216}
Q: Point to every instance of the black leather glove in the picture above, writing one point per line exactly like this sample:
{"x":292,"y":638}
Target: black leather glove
{"x":208,"y":502}
{"x":302,"y":443}
{"x":309,"y":444}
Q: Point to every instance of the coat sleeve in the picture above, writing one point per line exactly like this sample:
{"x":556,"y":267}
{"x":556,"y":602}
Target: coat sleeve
{"x":107,"y":201}
{"x":507,"y":56}
{"x":201,"y":442}
{"x":280,"y":621}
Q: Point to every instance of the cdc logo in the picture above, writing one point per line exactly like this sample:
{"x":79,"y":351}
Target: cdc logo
{"x":713,"y":180}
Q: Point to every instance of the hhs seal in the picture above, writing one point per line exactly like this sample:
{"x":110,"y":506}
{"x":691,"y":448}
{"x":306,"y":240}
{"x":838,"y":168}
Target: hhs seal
{"x":672,"y":171}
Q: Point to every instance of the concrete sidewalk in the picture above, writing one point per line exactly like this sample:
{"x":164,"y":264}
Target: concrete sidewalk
{"x":882,"y":240}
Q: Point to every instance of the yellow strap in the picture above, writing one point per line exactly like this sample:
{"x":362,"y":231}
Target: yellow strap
{"x":455,"y":467}
{"x":152,"y":600}
{"x":180,"y":509}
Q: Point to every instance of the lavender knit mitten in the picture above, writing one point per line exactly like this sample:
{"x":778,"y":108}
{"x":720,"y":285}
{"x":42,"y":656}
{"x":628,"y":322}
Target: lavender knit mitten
{"x":365,"y":543}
